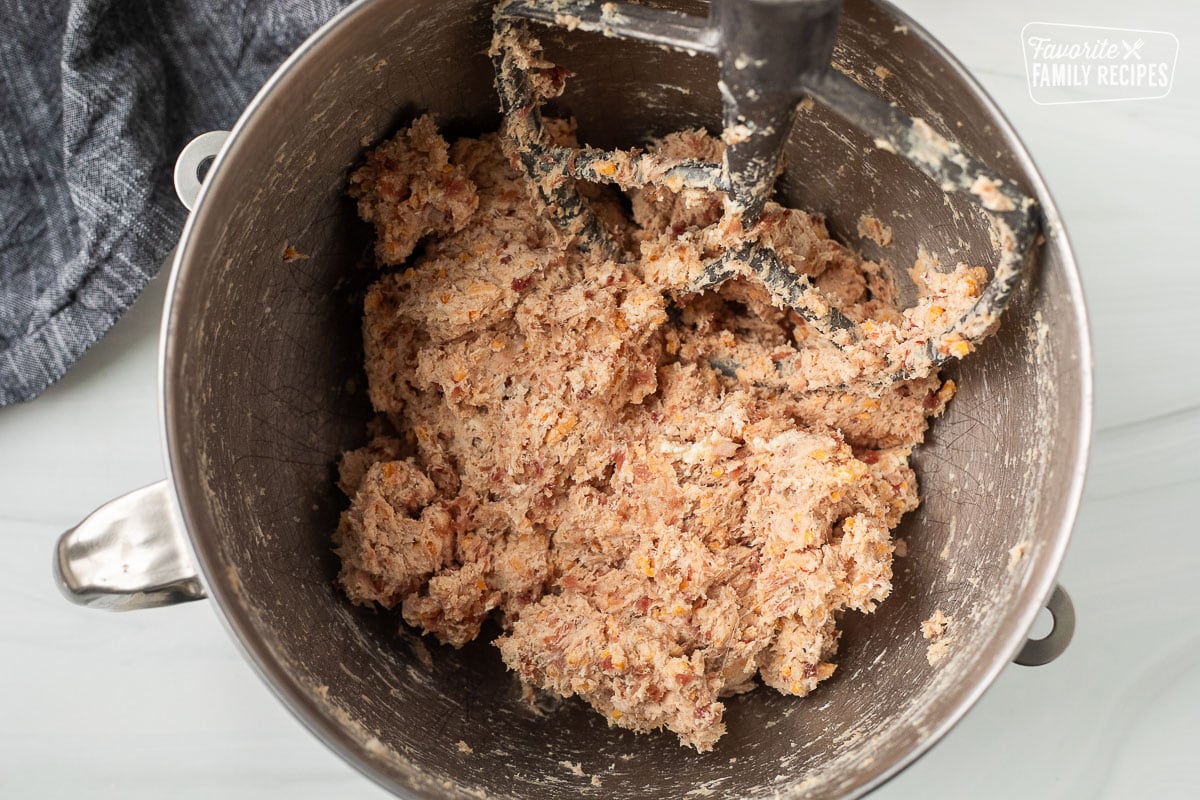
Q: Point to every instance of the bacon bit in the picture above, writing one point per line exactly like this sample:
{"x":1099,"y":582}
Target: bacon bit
{"x":521,"y":284}
{"x":557,"y":75}
{"x":458,"y":188}
{"x":643,"y":604}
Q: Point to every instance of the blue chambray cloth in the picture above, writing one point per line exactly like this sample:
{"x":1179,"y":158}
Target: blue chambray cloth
{"x":97,"y":97}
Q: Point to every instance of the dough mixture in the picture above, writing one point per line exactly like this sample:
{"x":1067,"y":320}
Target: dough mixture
{"x":623,"y":476}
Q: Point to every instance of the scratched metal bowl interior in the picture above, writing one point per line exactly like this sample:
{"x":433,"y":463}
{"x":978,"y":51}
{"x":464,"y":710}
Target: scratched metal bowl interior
{"x":265,"y":389}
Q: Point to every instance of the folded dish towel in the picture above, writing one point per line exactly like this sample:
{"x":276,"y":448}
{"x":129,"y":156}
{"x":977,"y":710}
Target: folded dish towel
{"x":97,"y":97}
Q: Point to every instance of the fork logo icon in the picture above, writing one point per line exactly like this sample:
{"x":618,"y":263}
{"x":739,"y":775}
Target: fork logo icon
{"x":1134,"y":49}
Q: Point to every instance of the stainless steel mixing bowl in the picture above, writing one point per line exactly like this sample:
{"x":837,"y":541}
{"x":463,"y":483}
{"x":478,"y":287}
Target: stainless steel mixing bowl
{"x":263,"y":388}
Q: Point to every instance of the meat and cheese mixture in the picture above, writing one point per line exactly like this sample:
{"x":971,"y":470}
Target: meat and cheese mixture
{"x":604,"y":464}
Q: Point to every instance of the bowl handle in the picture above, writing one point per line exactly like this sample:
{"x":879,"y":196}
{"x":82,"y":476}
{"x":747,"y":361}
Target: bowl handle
{"x":132,"y":552}
{"x":1037,"y":652}
{"x":128,"y":554}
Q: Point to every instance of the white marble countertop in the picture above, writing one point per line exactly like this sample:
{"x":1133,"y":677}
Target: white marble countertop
{"x":161,"y":703}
